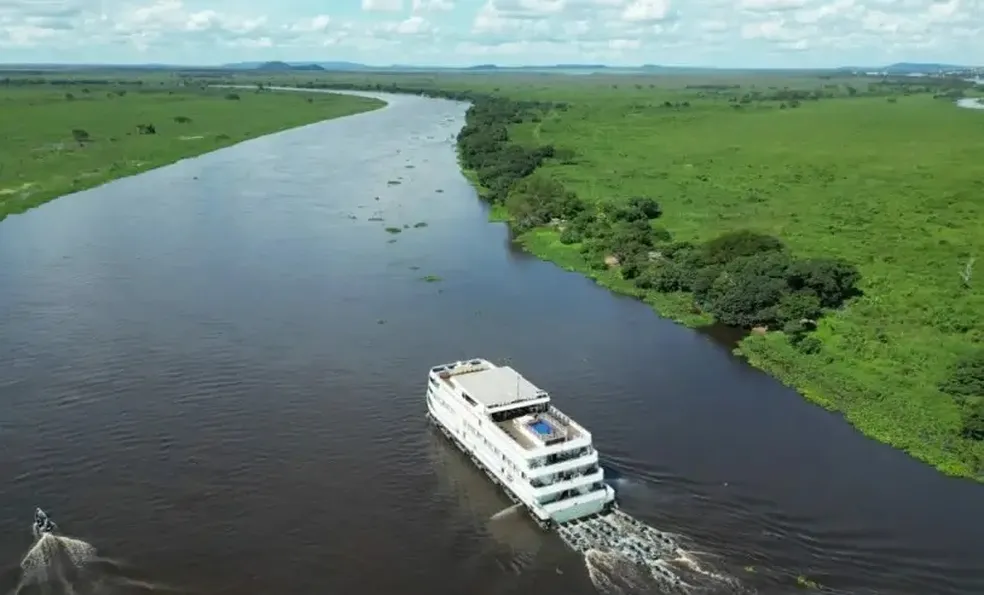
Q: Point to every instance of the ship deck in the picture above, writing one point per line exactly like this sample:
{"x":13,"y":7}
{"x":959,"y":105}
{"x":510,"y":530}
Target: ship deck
{"x":513,"y":429}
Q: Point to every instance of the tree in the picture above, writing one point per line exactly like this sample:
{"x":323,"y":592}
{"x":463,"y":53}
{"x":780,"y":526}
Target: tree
{"x":798,"y":306}
{"x":966,"y":379}
{"x":647,"y":206}
{"x":81,"y":136}
{"x":738,"y":244}
{"x":973,"y":420}
{"x":832,"y":281}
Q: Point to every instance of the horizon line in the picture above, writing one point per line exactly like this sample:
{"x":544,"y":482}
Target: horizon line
{"x":582,"y":65}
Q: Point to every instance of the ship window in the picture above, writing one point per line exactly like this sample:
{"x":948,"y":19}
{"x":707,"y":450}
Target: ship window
{"x":468,"y":399}
{"x":432,"y":381}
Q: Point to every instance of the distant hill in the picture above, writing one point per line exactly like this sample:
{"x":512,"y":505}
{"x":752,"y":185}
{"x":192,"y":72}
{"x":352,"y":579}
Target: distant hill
{"x":915,"y":67}
{"x":278,"y":66}
{"x":899,"y":69}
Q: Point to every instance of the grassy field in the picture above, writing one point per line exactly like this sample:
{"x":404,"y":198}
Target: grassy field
{"x":890,"y":179}
{"x":60,"y":139}
{"x":895,"y":189}
{"x":885,"y":175}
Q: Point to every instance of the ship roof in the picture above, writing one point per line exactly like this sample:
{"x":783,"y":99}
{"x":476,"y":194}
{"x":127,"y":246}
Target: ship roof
{"x":498,"y":386}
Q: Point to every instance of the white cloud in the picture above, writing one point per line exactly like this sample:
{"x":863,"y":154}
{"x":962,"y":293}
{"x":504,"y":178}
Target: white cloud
{"x":722,"y":32}
{"x":647,"y":11}
{"x":382,"y":5}
{"x":414,"y":25}
{"x":772,"y":5}
{"x":432,"y":5}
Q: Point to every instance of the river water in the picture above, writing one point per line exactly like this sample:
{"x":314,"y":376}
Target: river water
{"x":214,"y":372}
{"x":971,"y":103}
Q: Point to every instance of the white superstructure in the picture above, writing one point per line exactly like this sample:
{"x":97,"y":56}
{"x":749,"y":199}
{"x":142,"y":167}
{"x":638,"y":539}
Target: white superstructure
{"x":509,"y":427}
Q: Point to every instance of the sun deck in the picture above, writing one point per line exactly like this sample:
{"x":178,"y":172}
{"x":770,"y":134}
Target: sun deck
{"x":539,"y":429}
{"x":517,"y":406}
{"x":497,"y":387}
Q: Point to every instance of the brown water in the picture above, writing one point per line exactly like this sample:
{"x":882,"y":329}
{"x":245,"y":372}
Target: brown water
{"x":214,"y":372}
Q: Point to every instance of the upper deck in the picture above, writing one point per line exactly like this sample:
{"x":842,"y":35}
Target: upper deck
{"x":540,"y":429}
{"x":517,"y":406}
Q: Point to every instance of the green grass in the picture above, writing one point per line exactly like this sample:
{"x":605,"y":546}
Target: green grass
{"x":41,"y":160}
{"x":895,"y":188}
{"x":894,"y":185}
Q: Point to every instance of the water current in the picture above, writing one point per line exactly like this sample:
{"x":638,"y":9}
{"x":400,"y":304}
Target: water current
{"x":214,"y":372}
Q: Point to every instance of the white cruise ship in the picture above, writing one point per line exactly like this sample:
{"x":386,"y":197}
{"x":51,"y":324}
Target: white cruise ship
{"x":541,"y":457}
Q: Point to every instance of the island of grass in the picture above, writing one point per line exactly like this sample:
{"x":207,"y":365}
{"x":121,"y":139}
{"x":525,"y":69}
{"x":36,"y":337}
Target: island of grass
{"x":64,"y":136}
{"x":838,"y":219}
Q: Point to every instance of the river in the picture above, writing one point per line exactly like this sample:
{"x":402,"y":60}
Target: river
{"x":971,"y":103}
{"x":215,"y":371}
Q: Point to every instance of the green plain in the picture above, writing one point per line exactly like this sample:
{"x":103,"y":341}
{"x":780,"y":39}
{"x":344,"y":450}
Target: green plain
{"x":895,"y":189}
{"x":890,"y":181}
{"x":41,"y":159}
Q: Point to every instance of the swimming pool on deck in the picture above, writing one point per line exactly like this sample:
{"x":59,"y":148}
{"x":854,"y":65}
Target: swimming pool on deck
{"x":541,"y":427}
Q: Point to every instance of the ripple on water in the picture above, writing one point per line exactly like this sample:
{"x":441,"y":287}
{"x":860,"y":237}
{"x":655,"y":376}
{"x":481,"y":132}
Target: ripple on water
{"x":195,"y":374}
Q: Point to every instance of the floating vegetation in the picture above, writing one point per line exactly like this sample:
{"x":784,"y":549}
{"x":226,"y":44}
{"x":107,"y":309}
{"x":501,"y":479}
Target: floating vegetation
{"x":393,"y":230}
{"x":430,"y":278}
{"x":375,"y":218}
{"x":420,"y":224}
{"x":394,"y":182}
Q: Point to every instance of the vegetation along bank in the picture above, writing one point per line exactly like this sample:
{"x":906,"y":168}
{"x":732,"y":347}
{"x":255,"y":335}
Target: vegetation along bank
{"x":838,"y":220}
{"x":67,"y":136}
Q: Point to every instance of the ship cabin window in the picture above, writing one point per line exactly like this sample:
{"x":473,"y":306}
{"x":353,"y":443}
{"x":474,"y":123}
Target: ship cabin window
{"x":433,"y":381}
{"x":468,"y":399}
{"x":501,"y":416}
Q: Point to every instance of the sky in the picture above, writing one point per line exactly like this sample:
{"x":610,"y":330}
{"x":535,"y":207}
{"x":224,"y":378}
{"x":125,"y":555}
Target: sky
{"x":721,"y":33}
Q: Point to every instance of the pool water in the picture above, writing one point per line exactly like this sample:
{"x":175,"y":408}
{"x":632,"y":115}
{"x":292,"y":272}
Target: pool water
{"x":541,"y":427}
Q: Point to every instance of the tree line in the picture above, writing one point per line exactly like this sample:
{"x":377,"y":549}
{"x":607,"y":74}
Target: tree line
{"x":742,"y":278}
{"x":965,"y":385}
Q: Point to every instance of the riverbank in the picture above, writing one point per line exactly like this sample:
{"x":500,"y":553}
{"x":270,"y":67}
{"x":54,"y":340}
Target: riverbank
{"x":910,"y":228}
{"x":721,"y":157}
{"x":885,"y":187}
{"x":59,"y":140}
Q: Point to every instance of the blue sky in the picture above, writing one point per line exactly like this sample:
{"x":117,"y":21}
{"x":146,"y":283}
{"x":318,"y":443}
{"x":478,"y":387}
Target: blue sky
{"x":728,"y":33}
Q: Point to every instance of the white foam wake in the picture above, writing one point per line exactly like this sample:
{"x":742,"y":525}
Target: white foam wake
{"x":624,"y":555}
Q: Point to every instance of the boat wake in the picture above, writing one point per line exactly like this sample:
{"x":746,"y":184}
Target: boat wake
{"x":624,"y":555}
{"x":59,"y":565}
{"x":507,"y":512}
